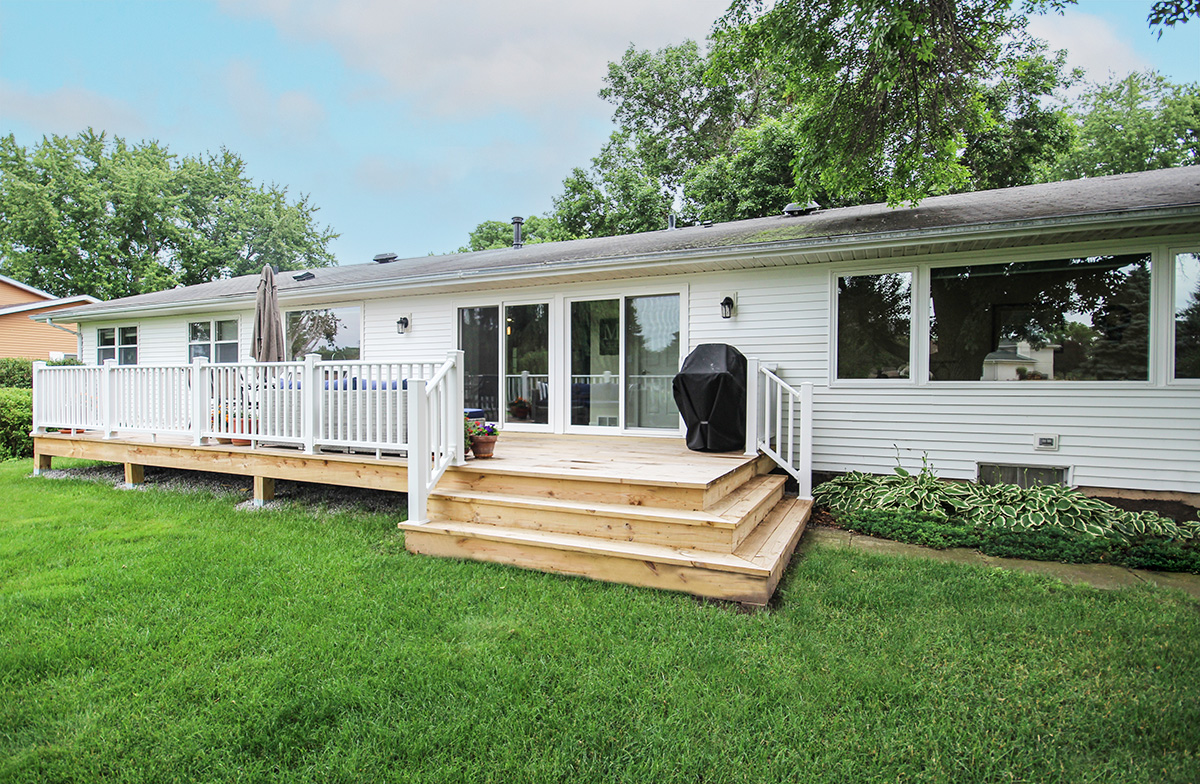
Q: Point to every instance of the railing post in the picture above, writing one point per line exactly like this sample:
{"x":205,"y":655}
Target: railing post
{"x":38,"y":416}
{"x":806,"y":436}
{"x":418,"y":452}
{"x":108,"y":398}
{"x":310,"y":392}
{"x":751,"y":406}
{"x":456,"y":407}
{"x":202,"y":409}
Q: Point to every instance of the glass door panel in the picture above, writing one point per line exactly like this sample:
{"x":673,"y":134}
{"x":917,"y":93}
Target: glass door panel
{"x":651,"y":361}
{"x":527,"y":363}
{"x":596,"y":363}
{"x":479,"y":339}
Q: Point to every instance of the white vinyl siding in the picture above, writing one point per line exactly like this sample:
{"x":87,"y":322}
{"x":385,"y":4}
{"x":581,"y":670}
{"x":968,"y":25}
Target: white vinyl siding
{"x":1138,"y":435}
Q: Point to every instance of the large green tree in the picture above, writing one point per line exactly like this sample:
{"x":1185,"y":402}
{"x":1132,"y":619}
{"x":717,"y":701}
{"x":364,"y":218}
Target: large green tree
{"x":1134,"y":123}
{"x":90,"y":215}
{"x":888,"y":89}
{"x":493,"y":234}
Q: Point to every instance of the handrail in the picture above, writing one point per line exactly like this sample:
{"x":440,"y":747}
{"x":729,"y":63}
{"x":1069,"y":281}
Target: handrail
{"x":772,"y":422}
{"x":414,"y":408}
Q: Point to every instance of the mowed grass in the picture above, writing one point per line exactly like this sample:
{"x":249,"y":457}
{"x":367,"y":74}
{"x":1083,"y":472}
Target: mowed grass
{"x":158,"y":636}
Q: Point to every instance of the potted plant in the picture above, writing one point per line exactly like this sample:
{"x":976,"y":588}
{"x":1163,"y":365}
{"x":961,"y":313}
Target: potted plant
{"x":483,"y":438}
{"x":519,"y":408}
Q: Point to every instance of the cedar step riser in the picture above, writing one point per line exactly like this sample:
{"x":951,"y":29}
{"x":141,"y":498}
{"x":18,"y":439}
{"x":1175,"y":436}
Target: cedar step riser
{"x":695,"y":580}
{"x":748,"y":523}
{"x":583,"y":490}
{"x":605,"y":524}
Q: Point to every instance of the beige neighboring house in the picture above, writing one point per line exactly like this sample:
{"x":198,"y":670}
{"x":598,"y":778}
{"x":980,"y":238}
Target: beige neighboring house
{"x":21,"y":336}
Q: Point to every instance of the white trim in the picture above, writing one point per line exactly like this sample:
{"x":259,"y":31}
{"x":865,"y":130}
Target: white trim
{"x":913,"y":328}
{"x":1172,"y":256}
{"x":50,"y":303}
{"x":284,"y":311}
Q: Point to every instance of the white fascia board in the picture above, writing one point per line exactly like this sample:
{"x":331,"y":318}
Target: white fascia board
{"x":662,"y":262}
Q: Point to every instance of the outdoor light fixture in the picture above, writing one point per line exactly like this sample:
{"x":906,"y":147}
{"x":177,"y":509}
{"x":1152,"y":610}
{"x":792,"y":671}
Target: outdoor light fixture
{"x":402,"y":324}
{"x":727,"y":306}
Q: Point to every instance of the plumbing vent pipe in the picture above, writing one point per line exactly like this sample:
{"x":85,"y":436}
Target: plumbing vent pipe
{"x":517,"y":221}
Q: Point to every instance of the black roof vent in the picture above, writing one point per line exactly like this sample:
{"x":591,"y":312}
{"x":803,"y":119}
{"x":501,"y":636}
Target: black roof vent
{"x":303,"y":276}
{"x":518,"y":243}
{"x":796,"y":209}
{"x":385,"y":258}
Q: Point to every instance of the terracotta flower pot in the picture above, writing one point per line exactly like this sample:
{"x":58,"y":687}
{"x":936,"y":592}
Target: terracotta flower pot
{"x":483,"y":446}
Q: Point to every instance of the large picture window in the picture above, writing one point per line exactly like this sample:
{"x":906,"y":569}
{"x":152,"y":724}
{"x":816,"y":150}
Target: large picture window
{"x":214,"y":340}
{"x":334,"y":333}
{"x":119,"y":343}
{"x":1066,"y":319}
{"x":874,"y":325}
{"x":1187,"y":315}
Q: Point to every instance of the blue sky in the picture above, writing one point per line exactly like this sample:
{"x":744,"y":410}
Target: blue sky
{"x":407,"y":123}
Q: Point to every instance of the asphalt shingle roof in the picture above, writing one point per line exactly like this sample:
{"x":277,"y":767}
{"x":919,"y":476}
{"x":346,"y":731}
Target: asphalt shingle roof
{"x":981,"y":210}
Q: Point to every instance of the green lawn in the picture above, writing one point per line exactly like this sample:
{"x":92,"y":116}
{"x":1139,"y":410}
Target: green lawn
{"x":157,"y":636}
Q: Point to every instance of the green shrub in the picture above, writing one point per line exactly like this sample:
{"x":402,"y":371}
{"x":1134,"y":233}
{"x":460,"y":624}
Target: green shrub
{"x":1046,"y":523}
{"x":16,"y":373}
{"x":16,"y":420}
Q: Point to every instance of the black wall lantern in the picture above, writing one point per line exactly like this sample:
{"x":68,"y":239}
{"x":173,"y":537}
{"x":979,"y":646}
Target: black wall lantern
{"x":402,"y":324}
{"x":727,"y":306}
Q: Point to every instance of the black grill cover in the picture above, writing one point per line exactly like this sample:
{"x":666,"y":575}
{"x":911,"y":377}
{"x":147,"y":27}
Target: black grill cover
{"x":710,"y":391}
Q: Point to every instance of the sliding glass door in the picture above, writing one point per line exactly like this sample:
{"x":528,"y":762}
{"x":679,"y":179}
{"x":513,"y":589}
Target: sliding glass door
{"x":624,"y":354}
{"x":507,"y":361}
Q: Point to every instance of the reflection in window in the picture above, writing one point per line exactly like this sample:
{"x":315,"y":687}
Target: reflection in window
{"x":527,"y":363}
{"x":1066,"y":319}
{"x":479,"y":340}
{"x":874,"y":324}
{"x":331,"y":332}
{"x":1187,"y":315}
{"x":651,"y":361}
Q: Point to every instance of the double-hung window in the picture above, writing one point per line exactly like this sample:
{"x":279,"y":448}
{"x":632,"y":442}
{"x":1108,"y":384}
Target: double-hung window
{"x":119,"y":343}
{"x":214,"y":340}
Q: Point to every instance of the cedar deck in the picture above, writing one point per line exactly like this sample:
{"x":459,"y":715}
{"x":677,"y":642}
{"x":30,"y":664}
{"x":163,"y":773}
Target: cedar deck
{"x":641,"y":511}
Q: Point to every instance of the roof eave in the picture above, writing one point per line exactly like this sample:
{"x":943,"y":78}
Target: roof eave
{"x":665,"y":260}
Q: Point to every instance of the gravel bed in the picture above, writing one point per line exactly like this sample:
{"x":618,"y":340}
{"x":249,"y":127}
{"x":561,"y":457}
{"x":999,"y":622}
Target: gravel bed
{"x":327,"y":498}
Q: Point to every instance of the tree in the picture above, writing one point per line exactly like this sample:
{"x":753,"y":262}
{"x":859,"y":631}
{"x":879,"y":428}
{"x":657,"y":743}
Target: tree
{"x":85,"y":215}
{"x":888,"y":89}
{"x":1172,"y":12}
{"x":1024,"y":130}
{"x":618,"y":195}
{"x":1131,"y":124}
{"x":675,"y":114}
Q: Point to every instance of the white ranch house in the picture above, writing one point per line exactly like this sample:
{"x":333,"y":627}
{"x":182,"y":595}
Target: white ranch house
{"x":1044,"y":327}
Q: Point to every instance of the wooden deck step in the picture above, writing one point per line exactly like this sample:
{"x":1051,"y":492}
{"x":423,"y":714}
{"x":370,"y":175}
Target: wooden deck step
{"x":748,"y":576}
{"x":619,"y":522}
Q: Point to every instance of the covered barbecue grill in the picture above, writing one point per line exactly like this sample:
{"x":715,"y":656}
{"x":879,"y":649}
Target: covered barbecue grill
{"x":710,"y":391}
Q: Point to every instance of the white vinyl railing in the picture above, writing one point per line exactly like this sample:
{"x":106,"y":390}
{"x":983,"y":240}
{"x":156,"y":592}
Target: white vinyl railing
{"x":395,"y":407}
{"x":779,"y":422}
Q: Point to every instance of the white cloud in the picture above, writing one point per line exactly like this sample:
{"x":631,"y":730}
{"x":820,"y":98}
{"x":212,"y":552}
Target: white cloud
{"x":1091,"y":43}
{"x":69,"y":110}
{"x":477,"y":56}
{"x":292,"y":114}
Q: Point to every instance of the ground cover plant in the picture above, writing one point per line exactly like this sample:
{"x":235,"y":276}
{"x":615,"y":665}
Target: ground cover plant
{"x":162,"y":636}
{"x":1043,"y":522}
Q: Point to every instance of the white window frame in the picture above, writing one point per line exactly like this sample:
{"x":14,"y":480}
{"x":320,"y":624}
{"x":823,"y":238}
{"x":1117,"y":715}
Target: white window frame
{"x":916,"y":359}
{"x":117,"y":346}
{"x":1168,"y":321}
{"x":362,"y":324}
{"x":212,"y":338}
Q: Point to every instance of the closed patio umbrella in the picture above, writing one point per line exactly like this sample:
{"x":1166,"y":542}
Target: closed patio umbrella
{"x":268,"y":325}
